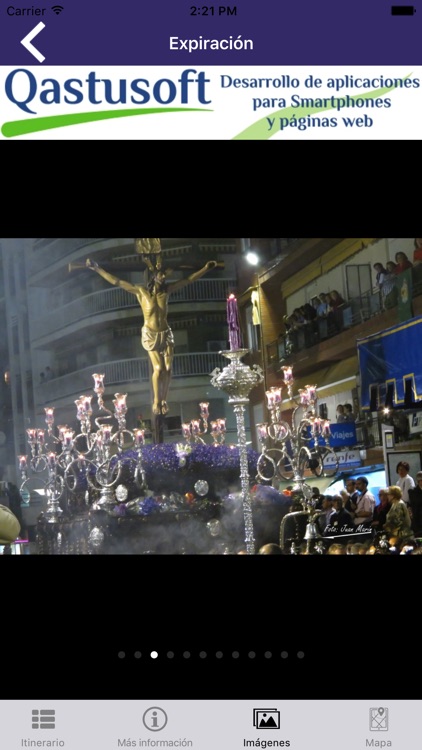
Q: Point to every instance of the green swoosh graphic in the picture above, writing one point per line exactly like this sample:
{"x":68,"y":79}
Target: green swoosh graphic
{"x":21,"y":127}
{"x":258,"y":131}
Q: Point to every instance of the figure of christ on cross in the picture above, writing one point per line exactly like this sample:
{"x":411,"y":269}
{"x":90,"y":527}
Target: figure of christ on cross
{"x":157,"y":336}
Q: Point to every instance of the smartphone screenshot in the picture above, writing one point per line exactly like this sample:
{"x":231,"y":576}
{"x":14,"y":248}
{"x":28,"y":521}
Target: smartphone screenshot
{"x":233,"y":71}
{"x":137,"y":612}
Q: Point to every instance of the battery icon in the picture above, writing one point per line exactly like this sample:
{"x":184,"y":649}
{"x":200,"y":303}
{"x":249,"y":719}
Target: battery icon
{"x":402,"y":10}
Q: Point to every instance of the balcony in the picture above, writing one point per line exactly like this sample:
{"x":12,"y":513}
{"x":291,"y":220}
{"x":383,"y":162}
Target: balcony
{"x":111,"y":300}
{"x":125,"y":371}
{"x":324,"y":341}
{"x":48,"y":251}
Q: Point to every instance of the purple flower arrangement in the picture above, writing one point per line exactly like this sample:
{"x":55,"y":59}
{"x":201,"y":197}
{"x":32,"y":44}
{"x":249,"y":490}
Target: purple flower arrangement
{"x":164,"y":471}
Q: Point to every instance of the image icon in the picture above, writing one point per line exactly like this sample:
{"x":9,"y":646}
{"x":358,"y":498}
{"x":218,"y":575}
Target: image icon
{"x":266,"y":718}
{"x":378,"y":719}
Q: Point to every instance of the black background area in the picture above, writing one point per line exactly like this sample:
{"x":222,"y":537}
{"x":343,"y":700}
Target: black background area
{"x":64,"y":620}
{"x":66,"y":632}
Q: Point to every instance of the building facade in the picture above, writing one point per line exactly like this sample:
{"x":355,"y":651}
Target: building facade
{"x":326,"y":353}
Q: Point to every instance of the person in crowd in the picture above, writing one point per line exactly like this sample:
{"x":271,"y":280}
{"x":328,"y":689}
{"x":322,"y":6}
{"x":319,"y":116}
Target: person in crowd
{"x":356,"y":548}
{"x":389,"y":292}
{"x":309,"y":312}
{"x":402,"y":263}
{"x":270,"y":549}
{"x":341,"y":416}
{"x":324,"y":307}
{"x":42,"y":378}
{"x":364,"y":512}
{"x":336,"y":549}
{"x":335,"y":299}
{"x":381,"y":510}
{"x":298,"y":317}
{"x":341,"y":521}
{"x":336,"y":303}
{"x":348,"y":412}
{"x":323,"y":521}
{"x":417,"y":253}
{"x":398,"y":522}
{"x":405,"y":481}
{"x":415,"y":505}
{"x":380,"y":275}
{"x":353,"y":495}
{"x":317,"y":497}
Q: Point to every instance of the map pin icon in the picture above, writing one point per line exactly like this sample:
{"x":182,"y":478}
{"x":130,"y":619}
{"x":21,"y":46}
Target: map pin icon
{"x":381,"y":711}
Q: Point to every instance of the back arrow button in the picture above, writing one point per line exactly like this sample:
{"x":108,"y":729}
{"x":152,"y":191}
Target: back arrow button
{"x":26,"y":41}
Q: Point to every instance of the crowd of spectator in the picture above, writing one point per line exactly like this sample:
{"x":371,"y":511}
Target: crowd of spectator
{"x":354,"y":522}
{"x":329,"y":306}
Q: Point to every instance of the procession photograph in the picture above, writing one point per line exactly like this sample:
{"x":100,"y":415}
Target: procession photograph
{"x":211,"y":396}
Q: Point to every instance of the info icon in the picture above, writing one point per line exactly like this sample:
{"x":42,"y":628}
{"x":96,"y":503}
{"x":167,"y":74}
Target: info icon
{"x":378,"y":719}
{"x":154,"y":719}
{"x":266,"y":718}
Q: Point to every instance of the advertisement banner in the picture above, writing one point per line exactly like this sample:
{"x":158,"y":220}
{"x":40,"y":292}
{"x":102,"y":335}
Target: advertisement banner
{"x":342,"y":434}
{"x":198,"y":102}
{"x":389,"y":359}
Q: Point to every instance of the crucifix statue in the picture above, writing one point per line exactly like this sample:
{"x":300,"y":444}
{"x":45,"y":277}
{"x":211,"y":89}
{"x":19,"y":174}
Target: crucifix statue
{"x":156,"y":335}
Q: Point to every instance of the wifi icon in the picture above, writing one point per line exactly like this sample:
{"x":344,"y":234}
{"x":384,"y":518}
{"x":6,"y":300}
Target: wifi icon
{"x":57,"y":9}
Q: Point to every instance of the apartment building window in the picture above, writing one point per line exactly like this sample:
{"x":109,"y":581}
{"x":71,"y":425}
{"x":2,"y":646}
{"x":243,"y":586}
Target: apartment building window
{"x":358,"y":280}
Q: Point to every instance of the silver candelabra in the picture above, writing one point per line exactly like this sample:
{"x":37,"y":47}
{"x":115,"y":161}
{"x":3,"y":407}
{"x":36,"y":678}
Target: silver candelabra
{"x":194,"y":430}
{"x":293,"y":452}
{"x":237,"y":379}
{"x":68,"y":460}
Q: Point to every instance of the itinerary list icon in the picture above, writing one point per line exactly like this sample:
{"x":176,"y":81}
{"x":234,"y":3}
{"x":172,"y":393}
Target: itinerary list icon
{"x":43,"y":719}
{"x":266,"y":718}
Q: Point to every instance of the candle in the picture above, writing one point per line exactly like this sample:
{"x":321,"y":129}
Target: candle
{"x":62,"y":428}
{"x":120,"y":403}
{"x":221,"y":425}
{"x":326,"y":429}
{"x":233,"y":321}
{"x":68,"y":439}
{"x":304,"y":397}
{"x":52,"y":460}
{"x":99,"y":384}
{"x":49,"y":415}
{"x":270,"y":399}
{"x":139,"y":437}
{"x":262,"y":432}
{"x":215,"y":428}
{"x":22,"y":463}
{"x":186,"y":429}
{"x":204,"y":409}
{"x":287,"y":374}
{"x":277,"y":394}
{"x":86,"y":404}
{"x":81,"y":411}
{"x":106,"y":431}
{"x":195,"y":426}
{"x":311,"y":392}
{"x":32,"y":436}
{"x":317,"y":426}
